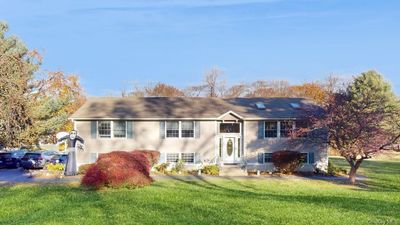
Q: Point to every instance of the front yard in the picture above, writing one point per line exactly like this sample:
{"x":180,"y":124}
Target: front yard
{"x":208,"y":201}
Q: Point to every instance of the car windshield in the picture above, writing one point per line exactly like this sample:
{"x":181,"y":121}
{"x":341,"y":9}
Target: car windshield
{"x":48,"y":153}
{"x":5,"y":155}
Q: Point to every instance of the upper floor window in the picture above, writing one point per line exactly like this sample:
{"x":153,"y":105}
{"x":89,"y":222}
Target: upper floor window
{"x":271,"y":128}
{"x":180,"y":129}
{"x":302,"y":128}
{"x":286,"y":128}
{"x":108,"y":129}
{"x":119,"y":129}
{"x":104,"y":128}
{"x":172,"y":128}
{"x":187,"y":128}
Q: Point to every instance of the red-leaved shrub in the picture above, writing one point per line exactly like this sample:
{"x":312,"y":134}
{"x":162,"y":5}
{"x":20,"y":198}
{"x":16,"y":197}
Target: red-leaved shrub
{"x":119,"y":169}
{"x":152,"y":155}
{"x":286,"y":161}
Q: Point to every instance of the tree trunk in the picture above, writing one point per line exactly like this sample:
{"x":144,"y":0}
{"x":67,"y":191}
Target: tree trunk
{"x":353,"y":170}
{"x":352,"y":175}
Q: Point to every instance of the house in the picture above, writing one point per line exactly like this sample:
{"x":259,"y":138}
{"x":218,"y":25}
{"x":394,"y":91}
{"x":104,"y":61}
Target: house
{"x":238,"y":131}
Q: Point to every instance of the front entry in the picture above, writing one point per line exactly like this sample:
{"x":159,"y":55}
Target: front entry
{"x":229,"y":149}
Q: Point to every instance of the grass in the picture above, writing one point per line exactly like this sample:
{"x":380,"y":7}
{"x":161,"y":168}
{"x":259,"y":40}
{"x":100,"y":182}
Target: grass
{"x":213,"y":201}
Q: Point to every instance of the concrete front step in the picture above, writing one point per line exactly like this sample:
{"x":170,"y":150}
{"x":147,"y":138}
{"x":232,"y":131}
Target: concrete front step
{"x":232,"y":170}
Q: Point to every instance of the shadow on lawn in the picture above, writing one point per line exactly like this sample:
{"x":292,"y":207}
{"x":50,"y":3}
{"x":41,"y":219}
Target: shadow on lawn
{"x":347,"y":203}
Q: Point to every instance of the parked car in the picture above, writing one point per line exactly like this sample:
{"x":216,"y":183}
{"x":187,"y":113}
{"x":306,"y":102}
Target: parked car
{"x":9,"y":160}
{"x":48,"y":155}
{"x":59,"y":158}
{"x":33,"y":160}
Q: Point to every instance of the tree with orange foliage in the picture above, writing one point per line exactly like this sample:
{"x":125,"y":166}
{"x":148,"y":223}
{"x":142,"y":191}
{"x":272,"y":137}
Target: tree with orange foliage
{"x":55,"y":98}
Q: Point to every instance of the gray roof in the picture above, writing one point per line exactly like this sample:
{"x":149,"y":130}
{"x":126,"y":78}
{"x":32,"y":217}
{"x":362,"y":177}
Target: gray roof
{"x":190,"y":107}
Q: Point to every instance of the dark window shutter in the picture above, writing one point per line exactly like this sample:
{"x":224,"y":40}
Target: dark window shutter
{"x":261,"y":132}
{"x":162,"y":157}
{"x":129,"y":129}
{"x":197,"y":129}
{"x":311,"y":159}
{"x":261,"y":158}
{"x":93,"y":129}
{"x":162,"y":129}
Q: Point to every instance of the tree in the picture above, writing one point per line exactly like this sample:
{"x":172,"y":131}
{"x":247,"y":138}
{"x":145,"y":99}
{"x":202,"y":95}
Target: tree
{"x":17,"y":66}
{"x":54,"y":98}
{"x":154,"y":90}
{"x":362,"y":120}
{"x":313,"y":90}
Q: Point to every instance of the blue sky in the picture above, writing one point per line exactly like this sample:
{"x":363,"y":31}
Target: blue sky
{"x":114,"y":44}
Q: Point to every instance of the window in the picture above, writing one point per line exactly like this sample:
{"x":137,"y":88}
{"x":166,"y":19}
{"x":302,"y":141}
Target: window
{"x":104,"y":129}
{"x":119,"y":129}
{"x":172,"y":157}
{"x":229,"y":128}
{"x":302,"y":128}
{"x":267,"y":157}
{"x":187,"y":129}
{"x":187,"y":157}
{"x":271,"y":128}
{"x":172,"y":129}
{"x":286,"y":128}
{"x":304,"y":157}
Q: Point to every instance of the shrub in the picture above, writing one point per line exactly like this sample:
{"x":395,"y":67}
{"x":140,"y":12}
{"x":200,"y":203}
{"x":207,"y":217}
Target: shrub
{"x":335,"y":170}
{"x":83,"y":168}
{"x":119,"y":169}
{"x":152,"y":155}
{"x":286,"y":161}
{"x":179,"y":166}
{"x":162,"y":168}
{"x":55,"y":167}
{"x":211,"y":170}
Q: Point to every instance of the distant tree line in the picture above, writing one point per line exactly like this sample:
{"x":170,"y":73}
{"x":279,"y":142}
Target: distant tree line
{"x":214,"y":85}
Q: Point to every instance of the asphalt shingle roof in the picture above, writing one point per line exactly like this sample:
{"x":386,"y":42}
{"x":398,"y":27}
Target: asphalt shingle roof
{"x":190,"y":107}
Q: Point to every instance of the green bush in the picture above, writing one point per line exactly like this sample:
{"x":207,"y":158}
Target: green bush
{"x":211,"y":170}
{"x":335,"y":170}
{"x":83,"y":168}
{"x":162,"y":168}
{"x":55,"y":167}
{"x":179,"y":166}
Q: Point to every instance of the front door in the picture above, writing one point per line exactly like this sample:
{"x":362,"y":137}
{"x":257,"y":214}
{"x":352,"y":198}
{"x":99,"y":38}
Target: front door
{"x":229,"y":149}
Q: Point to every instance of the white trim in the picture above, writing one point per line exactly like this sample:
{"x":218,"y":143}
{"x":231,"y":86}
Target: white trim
{"x":230,"y":112}
{"x":180,"y":130}
{"x":112,"y":130}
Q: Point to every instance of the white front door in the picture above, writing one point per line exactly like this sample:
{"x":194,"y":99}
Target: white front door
{"x":229,"y":149}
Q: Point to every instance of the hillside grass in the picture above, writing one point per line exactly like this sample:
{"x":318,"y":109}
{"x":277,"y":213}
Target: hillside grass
{"x":214,"y":201}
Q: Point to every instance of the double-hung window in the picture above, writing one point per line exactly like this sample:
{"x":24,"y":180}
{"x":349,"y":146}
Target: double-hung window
{"x":187,"y":157}
{"x":187,"y":129}
{"x":172,"y":129}
{"x":267,"y":157}
{"x":304,"y":157}
{"x":115,"y":129}
{"x":119,"y":129}
{"x":271,"y":129}
{"x":180,"y":129}
{"x":104,"y":128}
{"x":286,"y":128}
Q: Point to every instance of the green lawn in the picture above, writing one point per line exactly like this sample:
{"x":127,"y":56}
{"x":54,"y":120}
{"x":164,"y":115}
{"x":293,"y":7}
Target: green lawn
{"x":262,"y":201}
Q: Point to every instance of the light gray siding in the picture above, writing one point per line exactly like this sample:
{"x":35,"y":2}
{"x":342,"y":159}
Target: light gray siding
{"x":146,"y":136}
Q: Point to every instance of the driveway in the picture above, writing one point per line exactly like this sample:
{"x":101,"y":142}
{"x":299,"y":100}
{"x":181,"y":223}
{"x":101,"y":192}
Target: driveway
{"x":20,"y":176}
